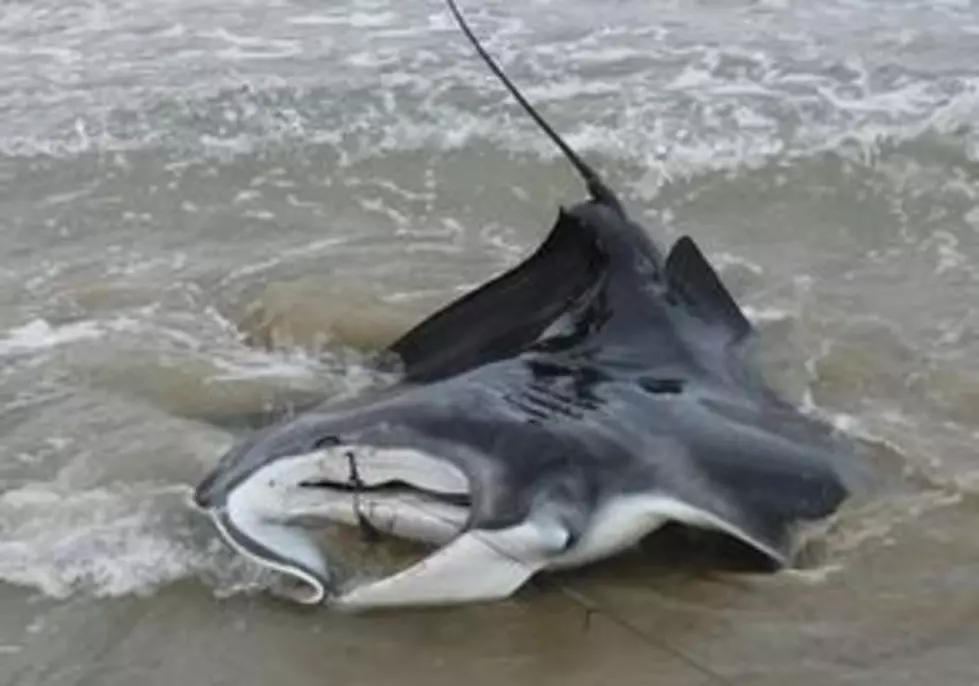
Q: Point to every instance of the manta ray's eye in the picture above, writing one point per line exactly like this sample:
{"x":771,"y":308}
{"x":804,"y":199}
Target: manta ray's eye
{"x":326,"y":442}
{"x":661,"y":386}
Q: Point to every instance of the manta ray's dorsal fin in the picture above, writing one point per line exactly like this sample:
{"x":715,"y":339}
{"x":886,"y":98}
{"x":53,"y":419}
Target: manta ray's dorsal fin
{"x":692,"y":278}
{"x":596,"y":187}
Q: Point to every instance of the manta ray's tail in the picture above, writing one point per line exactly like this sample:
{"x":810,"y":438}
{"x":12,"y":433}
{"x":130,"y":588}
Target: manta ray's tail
{"x":596,"y":187}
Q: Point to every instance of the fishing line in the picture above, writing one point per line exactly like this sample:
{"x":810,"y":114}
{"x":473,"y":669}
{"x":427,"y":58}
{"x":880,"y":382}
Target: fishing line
{"x":599,"y":191}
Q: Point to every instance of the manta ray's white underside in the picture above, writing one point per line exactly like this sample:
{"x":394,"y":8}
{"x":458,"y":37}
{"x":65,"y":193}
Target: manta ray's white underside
{"x":471,"y":564}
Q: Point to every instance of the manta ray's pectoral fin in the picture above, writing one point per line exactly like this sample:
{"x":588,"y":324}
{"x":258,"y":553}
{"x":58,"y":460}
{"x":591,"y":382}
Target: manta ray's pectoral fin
{"x":479,"y":565}
{"x":507,"y":314}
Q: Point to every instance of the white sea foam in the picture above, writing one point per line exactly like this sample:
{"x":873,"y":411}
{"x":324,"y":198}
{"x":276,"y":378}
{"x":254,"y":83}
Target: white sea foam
{"x":626,"y":94}
{"x":110,"y":542}
{"x":39,"y":335}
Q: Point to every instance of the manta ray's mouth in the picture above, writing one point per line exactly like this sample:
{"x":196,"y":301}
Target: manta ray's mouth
{"x":390,"y":488}
{"x":273,"y":516}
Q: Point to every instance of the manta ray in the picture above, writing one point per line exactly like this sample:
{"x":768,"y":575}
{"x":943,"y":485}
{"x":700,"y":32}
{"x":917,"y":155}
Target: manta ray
{"x":553,"y":417}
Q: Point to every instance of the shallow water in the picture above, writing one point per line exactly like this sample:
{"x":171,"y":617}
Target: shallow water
{"x":216,"y":210}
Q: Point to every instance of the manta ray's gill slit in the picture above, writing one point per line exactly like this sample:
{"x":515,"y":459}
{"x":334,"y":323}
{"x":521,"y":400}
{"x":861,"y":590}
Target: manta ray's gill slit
{"x":543,"y":402}
{"x":554,"y":402}
{"x":535,"y":413}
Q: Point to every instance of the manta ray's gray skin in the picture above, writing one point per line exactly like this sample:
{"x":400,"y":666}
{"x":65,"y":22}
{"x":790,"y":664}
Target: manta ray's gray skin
{"x":554,"y":416}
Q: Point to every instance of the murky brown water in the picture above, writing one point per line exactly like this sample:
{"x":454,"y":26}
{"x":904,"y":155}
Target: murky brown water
{"x":212,"y":213}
